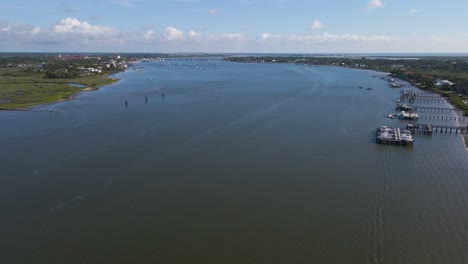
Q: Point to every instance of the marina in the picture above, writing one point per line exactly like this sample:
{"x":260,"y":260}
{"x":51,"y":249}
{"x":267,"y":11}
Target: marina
{"x":389,"y":135}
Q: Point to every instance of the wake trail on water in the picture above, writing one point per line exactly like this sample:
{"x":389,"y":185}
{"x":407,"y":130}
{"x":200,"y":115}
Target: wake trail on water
{"x":377,"y":228}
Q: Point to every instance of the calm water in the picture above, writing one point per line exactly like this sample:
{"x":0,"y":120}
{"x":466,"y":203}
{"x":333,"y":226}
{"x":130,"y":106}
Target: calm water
{"x":238,"y":163}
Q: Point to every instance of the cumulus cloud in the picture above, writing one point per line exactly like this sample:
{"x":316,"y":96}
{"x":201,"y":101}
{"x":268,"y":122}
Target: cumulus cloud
{"x":73,"y":25}
{"x":375,"y":4}
{"x":194,"y":35}
{"x":173,"y":34}
{"x":18,"y":30}
{"x":149,"y":34}
{"x":226,"y":37}
{"x":72,"y":34}
{"x":316,"y":25}
{"x":265,"y":36}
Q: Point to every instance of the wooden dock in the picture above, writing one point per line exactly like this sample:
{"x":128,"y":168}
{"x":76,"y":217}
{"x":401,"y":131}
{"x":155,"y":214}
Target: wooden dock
{"x":436,"y":109}
{"x":444,"y":117}
{"x":430,"y":128}
{"x":425,"y":99}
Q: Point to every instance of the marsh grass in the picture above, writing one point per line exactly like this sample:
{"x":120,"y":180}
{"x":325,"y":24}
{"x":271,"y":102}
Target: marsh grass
{"x":20,"y":89}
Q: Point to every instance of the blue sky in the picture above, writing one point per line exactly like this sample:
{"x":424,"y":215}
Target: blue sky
{"x":284,"y":26}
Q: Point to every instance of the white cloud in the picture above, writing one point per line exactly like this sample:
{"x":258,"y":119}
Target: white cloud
{"x":213,"y":11}
{"x":327,"y":38}
{"x":194,"y":35}
{"x":173,"y":34}
{"x":19,"y":30}
{"x":375,"y":4}
{"x":71,"y":34}
{"x":226,"y":37}
{"x":73,"y":25}
{"x":316,"y":25}
{"x":265,"y":36}
{"x":413,"y":11}
{"x":149,"y":35}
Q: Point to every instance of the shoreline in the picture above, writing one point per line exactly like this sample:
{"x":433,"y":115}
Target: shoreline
{"x":108,"y":80}
{"x":445,"y":95}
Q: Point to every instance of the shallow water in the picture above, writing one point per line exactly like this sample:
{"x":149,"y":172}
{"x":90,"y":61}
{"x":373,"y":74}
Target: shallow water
{"x":237,"y":163}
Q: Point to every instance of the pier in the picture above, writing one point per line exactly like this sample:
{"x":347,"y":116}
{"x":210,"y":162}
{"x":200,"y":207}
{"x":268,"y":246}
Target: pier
{"x":429,"y":129}
{"x":444,"y":117}
{"x":428,"y":99}
{"x":421,"y":97}
{"x":394,"y":136}
{"x":436,"y":109}
{"x":404,"y":107}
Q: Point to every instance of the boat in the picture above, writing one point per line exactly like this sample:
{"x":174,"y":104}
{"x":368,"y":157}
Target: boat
{"x":408,"y":116}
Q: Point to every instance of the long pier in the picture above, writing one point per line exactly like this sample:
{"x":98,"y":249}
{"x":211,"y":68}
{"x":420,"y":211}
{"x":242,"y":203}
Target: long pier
{"x":436,"y":109}
{"x":430,"y":128}
{"x":429,"y":99}
{"x":408,"y":92}
{"x":443,"y":117}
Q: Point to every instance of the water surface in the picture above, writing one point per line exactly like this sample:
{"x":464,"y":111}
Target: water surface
{"x":237,"y":163}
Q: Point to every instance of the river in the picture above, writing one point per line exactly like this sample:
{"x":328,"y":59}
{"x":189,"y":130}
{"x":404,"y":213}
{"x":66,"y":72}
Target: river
{"x":236,"y":163}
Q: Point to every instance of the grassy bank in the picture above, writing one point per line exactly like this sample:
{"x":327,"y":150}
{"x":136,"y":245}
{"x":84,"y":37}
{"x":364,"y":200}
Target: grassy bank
{"x":458,"y":102}
{"x":21,"y":90}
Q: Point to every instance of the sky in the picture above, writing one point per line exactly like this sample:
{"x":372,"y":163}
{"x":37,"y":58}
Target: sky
{"x":240,"y":26}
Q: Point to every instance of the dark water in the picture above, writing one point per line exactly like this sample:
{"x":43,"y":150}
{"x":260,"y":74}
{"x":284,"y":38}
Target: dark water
{"x":238,"y":163}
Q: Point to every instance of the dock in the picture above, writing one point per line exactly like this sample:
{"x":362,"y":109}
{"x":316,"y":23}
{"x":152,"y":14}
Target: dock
{"x":430,"y":128}
{"x":404,"y":107}
{"x":409,"y":108}
{"x":444,"y":117}
{"x":436,"y":109}
{"x":408,"y":115}
{"x":394,"y":136}
{"x":427,"y":99}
